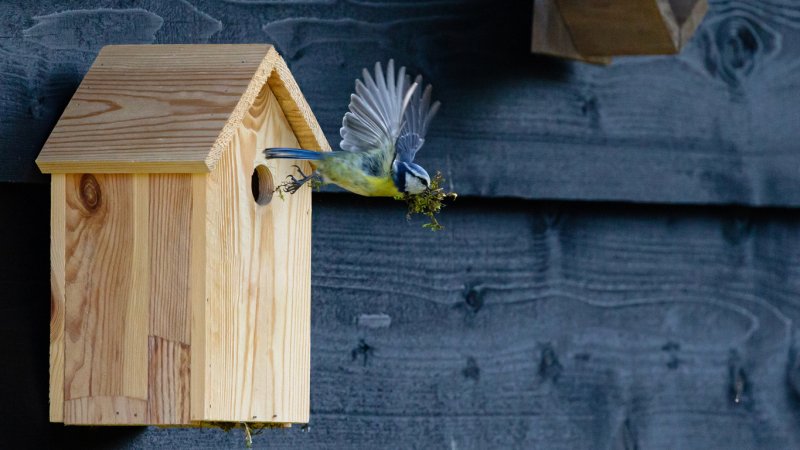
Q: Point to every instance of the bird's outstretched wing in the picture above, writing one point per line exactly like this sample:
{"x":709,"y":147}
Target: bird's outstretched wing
{"x":376,"y":111}
{"x":417,"y":117}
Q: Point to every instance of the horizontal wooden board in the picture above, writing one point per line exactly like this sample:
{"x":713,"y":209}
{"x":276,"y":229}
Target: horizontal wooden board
{"x":521,"y":325}
{"x":715,"y":124}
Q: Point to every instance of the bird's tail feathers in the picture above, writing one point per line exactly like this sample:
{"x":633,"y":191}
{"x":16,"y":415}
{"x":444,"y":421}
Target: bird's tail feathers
{"x":292,"y":153}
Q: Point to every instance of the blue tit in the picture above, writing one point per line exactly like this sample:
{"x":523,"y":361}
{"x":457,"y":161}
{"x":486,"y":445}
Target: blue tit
{"x":381,"y":134}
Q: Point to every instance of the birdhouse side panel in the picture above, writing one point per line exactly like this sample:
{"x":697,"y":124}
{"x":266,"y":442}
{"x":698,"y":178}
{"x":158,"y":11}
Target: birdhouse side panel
{"x":57,"y":304}
{"x":257,"y":316}
{"x":176,"y":229}
{"x":123,"y":244}
{"x":106,"y":298}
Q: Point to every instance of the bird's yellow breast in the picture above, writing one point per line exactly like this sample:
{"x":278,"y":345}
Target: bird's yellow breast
{"x":369,"y":186}
{"x":346,"y":171}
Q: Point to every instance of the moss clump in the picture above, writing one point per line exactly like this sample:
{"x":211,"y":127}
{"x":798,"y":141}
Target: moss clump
{"x":429,"y":202}
{"x":250,"y":428}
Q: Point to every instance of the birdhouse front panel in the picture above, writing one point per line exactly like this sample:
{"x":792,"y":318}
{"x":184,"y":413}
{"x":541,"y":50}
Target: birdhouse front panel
{"x":257,"y":280}
{"x":180,"y":285}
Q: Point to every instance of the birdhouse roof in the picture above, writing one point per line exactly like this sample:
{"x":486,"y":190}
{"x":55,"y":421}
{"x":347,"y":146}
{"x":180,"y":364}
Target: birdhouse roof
{"x":170,"y":108}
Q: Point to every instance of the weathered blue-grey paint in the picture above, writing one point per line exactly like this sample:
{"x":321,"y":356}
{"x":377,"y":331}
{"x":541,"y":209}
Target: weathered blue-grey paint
{"x":522,"y":325}
{"x":716,"y":124}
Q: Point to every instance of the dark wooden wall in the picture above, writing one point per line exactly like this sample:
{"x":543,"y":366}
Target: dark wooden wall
{"x":622,"y":270}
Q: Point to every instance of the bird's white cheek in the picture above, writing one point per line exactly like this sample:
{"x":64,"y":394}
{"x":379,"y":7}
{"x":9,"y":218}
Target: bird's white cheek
{"x":413,"y":185}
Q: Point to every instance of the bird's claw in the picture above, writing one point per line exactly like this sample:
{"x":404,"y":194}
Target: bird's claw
{"x":294,"y":184}
{"x":293,"y":187}
{"x":300,"y":171}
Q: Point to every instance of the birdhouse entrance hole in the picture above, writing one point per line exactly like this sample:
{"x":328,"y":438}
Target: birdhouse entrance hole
{"x":262,"y":186}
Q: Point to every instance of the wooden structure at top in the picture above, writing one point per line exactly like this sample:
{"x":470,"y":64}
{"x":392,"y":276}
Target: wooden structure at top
{"x":180,"y":291}
{"x":596,"y":30}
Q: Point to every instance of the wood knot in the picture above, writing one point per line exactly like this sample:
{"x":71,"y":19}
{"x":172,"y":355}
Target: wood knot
{"x":363,"y":350}
{"x":90,"y":193}
{"x":735,"y":46}
{"x":739,"y":385}
{"x":473,"y":297}
{"x":549,"y":366}
{"x":471,"y":371}
{"x":737,"y":230}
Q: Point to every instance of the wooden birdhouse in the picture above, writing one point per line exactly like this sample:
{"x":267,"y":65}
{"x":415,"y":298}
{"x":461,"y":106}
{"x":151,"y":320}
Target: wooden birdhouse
{"x":596,"y":30}
{"x":180,"y":286}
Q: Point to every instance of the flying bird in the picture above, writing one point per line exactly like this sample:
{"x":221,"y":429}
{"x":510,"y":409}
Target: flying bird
{"x":381,"y":134}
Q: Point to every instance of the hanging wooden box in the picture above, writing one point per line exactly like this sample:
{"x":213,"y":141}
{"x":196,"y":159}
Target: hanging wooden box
{"x":596,"y":30}
{"x":180,"y":292}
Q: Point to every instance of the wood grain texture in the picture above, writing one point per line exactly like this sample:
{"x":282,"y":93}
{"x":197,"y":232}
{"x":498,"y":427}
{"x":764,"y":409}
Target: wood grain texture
{"x":657,"y":320}
{"x":168,"y":382}
{"x":172,"y":205}
{"x":546,"y":325}
{"x":197,"y":295}
{"x":57,"y":291}
{"x":171,"y":231}
{"x":714,"y":124}
{"x":128,"y":271}
{"x":105,"y":409}
{"x":627,"y":27}
{"x":136,"y":243}
{"x":107,"y":292}
{"x":166,"y":108}
{"x":256,"y":332}
{"x":551,"y":35}
{"x":152,"y":109}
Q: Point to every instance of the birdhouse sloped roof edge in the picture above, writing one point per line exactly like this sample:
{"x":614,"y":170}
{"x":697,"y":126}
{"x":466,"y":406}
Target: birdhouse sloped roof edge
{"x":275,"y":73}
{"x":170,"y":108}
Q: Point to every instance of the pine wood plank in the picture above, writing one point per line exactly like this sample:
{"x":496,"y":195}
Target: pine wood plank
{"x":623,"y":27}
{"x":256,"y":329}
{"x":551,"y":35}
{"x":168,"y":382}
{"x":171,"y":233}
{"x":107,"y":290}
{"x":171,"y":205}
{"x":198,"y":298}
{"x":57,"y":306}
{"x":105,"y":409}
